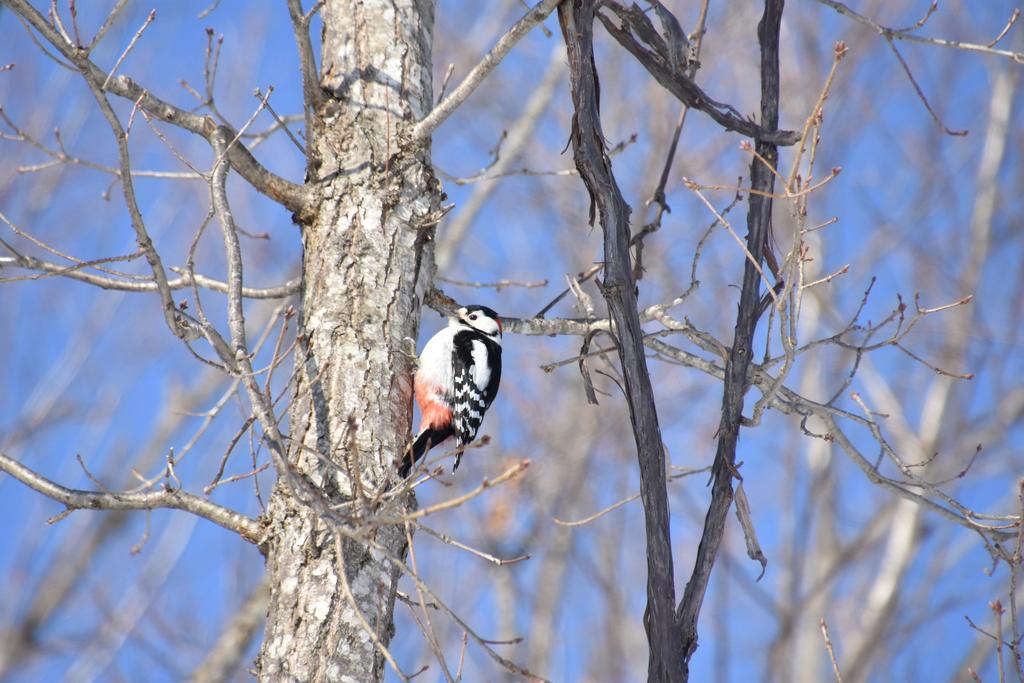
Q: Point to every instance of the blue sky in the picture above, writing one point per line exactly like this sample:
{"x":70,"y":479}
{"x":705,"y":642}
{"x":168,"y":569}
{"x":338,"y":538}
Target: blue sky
{"x":98,"y":370}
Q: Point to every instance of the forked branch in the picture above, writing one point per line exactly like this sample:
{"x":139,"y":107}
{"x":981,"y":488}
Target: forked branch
{"x":637,"y":35}
{"x":292,"y":196}
{"x":619,"y":290}
{"x":737,"y":366}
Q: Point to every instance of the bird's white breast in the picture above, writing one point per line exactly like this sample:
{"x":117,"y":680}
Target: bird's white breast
{"x":436,"y":359}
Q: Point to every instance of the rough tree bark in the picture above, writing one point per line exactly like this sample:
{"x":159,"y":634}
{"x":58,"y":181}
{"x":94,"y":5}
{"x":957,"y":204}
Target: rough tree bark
{"x":366,"y":264}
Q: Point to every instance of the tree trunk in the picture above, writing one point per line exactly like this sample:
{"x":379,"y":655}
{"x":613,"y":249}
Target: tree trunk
{"x":368,"y":259}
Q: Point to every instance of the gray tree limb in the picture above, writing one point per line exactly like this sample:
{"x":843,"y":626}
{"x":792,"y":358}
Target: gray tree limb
{"x":174,"y":499}
{"x":75,"y":271}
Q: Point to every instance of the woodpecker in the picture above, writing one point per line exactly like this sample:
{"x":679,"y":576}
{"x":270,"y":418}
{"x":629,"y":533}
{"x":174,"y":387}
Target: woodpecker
{"x":458,"y":376}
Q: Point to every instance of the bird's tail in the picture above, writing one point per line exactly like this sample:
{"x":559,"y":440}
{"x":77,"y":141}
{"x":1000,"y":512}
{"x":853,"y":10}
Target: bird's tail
{"x":427,"y":439}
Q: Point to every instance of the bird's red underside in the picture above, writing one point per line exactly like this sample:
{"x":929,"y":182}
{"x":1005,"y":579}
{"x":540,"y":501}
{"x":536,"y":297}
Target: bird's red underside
{"x":434,"y":414}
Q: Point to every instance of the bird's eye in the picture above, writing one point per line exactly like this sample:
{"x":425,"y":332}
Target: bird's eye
{"x":473,"y":316}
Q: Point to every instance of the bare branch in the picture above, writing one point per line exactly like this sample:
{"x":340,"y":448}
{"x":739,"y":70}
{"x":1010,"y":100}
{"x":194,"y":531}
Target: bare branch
{"x":509,"y":474}
{"x":370,"y":631}
{"x":75,"y":499}
{"x":307,"y":62}
{"x":920,"y":93}
{"x":421,"y":585}
{"x":741,"y":352}
{"x":520,"y":134}
{"x":131,"y":44}
{"x":107,"y":23}
{"x":676,"y":82}
{"x":831,"y":653}
{"x":233,"y":249}
{"x":423,"y":130}
{"x":278,"y":120}
{"x":677,"y":473}
{"x":1014,"y":16}
{"x":175,"y":319}
{"x":184,"y":281}
{"x":746,"y":521}
{"x":426,"y":626}
{"x":890,"y":33}
{"x":445,"y":538}
{"x":619,"y":290}
{"x":294,"y":197}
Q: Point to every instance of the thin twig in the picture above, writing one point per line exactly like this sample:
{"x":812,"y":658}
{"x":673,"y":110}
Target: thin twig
{"x":831,"y":653}
{"x":176,"y":321}
{"x":920,"y":93}
{"x":293,"y":196}
{"x":184,"y":281}
{"x":280,"y":121}
{"x":746,"y":250}
{"x":499,"y":285}
{"x":1006,"y":29}
{"x":426,"y":627}
{"x":509,"y":474}
{"x":445,"y":538}
{"x":846,"y":11}
{"x":628,"y":499}
{"x":339,"y":552}
{"x":131,"y":44}
{"x":444,"y":82}
{"x":107,"y":23}
{"x":422,"y":130}
{"x":997,"y":610}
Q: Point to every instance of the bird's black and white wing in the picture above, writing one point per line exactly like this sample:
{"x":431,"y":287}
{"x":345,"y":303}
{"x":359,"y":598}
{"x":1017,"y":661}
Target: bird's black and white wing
{"x":476,"y":370}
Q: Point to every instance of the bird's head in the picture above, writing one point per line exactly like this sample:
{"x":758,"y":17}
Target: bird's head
{"x":479,"y":318}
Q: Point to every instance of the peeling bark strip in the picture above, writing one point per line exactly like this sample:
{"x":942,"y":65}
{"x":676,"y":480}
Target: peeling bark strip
{"x":759,"y":217}
{"x":577,"y":21}
{"x":365,"y":265}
